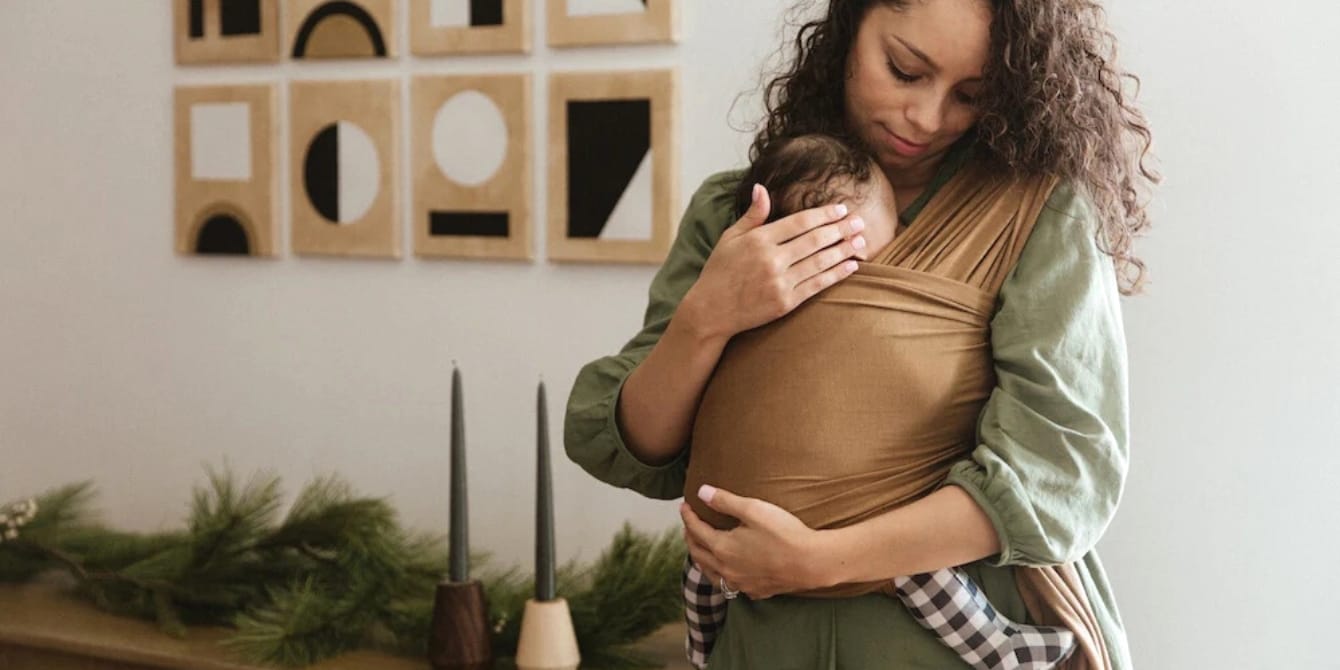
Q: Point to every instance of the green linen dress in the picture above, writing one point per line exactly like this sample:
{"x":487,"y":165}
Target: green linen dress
{"x":1048,"y":469}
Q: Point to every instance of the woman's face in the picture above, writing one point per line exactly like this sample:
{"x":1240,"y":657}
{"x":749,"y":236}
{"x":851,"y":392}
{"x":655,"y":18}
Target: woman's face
{"x":912,"y":75}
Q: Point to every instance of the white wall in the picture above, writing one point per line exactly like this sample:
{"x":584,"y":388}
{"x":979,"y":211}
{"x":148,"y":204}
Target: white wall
{"x":1224,"y":549}
{"x":127,"y":364}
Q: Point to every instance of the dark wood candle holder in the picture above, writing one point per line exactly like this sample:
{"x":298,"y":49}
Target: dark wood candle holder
{"x":460,"y":638}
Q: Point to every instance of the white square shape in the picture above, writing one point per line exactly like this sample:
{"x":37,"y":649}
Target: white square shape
{"x":449,"y":13}
{"x":598,"y":7}
{"x":919,"y":598}
{"x":221,"y":141}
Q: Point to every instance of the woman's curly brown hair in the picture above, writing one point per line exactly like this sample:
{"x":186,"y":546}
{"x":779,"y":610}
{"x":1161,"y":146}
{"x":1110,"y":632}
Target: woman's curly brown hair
{"x":1052,"y":102}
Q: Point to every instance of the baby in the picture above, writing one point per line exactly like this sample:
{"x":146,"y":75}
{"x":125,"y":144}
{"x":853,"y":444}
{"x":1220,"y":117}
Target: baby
{"x":811,"y":171}
{"x":816,"y":170}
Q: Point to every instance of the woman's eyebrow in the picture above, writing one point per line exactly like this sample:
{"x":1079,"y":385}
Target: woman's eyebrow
{"x":922,"y":55}
{"x":917,"y":52}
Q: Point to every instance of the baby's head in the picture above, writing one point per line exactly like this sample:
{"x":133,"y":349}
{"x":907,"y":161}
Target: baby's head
{"x":814,"y":170}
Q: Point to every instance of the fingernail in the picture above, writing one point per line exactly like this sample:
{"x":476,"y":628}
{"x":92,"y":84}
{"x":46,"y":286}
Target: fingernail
{"x":706,"y":492}
{"x":858,"y":242}
{"x":857,"y":224}
{"x":758,"y":190}
{"x":840,"y":210}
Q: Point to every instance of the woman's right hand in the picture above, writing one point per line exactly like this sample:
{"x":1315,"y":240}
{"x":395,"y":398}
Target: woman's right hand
{"x":757,"y":274}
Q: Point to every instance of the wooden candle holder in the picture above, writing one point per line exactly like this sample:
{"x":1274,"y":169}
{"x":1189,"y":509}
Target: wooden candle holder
{"x":460,"y":638}
{"x":548,"y":640}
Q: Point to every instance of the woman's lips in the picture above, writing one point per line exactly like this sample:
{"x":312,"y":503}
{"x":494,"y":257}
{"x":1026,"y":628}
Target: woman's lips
{"x":903,"y":146}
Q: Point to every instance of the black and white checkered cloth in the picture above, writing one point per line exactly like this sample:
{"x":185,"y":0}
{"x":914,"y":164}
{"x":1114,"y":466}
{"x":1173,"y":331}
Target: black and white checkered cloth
{"x":704,"y":612}
{"x":949,"y":604}
{"x":945,"y":602}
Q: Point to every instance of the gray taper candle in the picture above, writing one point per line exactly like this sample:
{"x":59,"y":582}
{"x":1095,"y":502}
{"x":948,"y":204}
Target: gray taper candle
{"x":544,"y":506}
{"x":459,"y":539}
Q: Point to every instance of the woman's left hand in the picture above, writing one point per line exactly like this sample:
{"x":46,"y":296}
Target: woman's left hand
{"x":769,"y":553}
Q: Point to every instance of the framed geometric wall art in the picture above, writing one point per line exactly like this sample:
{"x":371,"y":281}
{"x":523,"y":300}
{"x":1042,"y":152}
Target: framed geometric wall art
{"x":471,"y":166}
{"x":344,"y":167}
{"x":341,"y":28}
{"x":225,"y":165}
{"x":225,"y":31}
{"x":613,"y":166}
{"x":575,"y":23}
{"x":441,"y":27}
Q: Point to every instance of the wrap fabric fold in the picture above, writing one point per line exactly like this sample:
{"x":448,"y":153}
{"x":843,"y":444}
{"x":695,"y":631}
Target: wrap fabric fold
{"x":859,"y":401}
{"x":1054,"y":596}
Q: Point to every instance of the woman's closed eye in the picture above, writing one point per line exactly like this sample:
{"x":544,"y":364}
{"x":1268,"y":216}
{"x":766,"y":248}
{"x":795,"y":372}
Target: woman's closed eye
{"x":899,"y":74}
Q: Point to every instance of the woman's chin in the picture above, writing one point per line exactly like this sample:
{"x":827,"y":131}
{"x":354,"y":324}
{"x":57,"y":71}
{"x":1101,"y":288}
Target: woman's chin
{"x":893,"y":163}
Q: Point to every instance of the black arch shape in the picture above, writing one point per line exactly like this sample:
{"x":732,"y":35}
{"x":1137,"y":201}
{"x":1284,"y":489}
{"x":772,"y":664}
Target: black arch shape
{"x":339,"y":7}
{"x":222,"y":233}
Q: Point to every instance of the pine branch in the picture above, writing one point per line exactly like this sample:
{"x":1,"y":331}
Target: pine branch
{"x":336,"y":573}
{"x":59,"y":508}
{"x":629,"y":598}
{"x":226,"y":522}
{"x":69,"y":505}
{"x":294,"y":629}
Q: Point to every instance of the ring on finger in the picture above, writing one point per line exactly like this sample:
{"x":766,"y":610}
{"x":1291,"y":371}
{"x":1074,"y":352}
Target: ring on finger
{"x":727,"y":591}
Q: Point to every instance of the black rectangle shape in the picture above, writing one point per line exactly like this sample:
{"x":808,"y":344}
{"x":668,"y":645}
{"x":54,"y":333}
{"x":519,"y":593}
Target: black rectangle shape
{"x":240,"y":17}
{"x":197,"y":19}
{"x":468,"y":224}
{"x":486,"y":13}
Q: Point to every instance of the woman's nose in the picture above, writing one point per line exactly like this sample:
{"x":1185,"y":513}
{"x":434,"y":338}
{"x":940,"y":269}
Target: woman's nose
{"x":926,"y":115}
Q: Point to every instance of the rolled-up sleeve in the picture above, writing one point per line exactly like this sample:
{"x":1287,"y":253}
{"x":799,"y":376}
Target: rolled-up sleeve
{"x":1052,"y":449}
{"x":591,"y":434}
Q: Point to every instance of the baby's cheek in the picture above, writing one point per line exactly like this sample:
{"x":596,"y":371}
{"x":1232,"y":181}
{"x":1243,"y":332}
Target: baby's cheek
{"x":876,"y":241}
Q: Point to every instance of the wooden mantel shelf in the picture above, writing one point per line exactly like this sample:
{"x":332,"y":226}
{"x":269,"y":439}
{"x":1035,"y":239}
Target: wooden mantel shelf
{"x":43,"y":627}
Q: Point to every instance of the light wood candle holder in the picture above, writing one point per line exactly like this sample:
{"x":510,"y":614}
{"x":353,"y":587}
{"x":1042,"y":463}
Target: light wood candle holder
{"x":548,"y":640}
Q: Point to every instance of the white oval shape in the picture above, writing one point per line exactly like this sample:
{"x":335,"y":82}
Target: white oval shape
{"x":469,"y":138}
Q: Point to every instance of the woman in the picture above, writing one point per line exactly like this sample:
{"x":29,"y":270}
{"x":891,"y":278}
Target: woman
{"x":939,"y":89}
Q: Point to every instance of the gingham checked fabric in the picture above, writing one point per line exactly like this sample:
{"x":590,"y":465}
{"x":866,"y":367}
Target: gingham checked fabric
{"x":946,"y":602}
{"x":949,"y":604}
{"x":704,"y":612}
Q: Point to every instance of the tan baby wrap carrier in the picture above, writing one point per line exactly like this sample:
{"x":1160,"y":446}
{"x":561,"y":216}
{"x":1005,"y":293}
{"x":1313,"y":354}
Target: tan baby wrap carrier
{"x":860,"y":400}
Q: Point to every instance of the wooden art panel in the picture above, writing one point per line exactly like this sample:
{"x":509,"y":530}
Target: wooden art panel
{"x":576,"y":23}
{"x":345,"y":164}
{"x":471,"y":165}
{"x":442,"y":27}
{"x":613,"y":166}
{"x":225,"y":31}
{"x":341,"y":28}
{"x":226,"y":179}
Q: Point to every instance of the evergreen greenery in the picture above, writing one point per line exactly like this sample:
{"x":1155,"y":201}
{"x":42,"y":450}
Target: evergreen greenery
{"x":334,"y":573}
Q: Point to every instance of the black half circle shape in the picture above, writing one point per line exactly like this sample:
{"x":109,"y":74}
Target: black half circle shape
{"x":332,"y":8}
{"x":223,"y":234}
